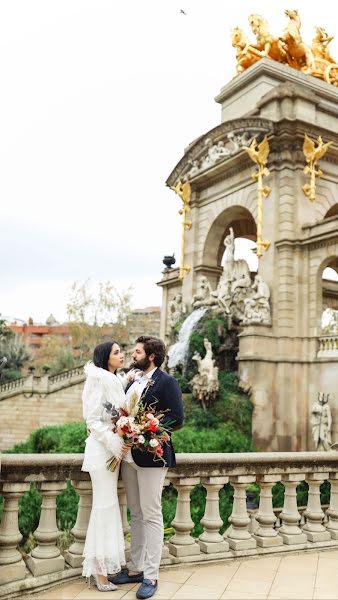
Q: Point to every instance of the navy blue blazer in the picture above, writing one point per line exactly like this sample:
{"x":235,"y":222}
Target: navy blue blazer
{"x":164,"y":395}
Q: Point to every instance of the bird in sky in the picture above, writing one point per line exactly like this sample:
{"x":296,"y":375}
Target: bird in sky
{"x":182,"y":11}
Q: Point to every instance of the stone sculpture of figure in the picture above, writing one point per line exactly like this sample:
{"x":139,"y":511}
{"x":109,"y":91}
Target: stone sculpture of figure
{"x":205,"y":383}
{"x":195,"y":168}
{"x":215,"y":153}
{"x":256,"y":303}
{"x":262,"y":290}
{"x":321,"y":422}
{"x":203,"y":293}
{"x":176,"y":309}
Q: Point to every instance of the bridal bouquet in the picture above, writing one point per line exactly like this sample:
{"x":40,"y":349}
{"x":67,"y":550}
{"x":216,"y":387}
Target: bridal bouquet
{"x":139,"y":426}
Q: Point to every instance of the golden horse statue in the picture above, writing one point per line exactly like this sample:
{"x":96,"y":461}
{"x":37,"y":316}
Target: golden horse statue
{"x":270,"y":46}
{"x":299,"y":55}
{"x":246,"y":54}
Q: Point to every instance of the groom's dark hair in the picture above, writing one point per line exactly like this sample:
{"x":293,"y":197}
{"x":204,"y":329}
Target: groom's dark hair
{"x":101,"y":354}
{"x":153,"y":345}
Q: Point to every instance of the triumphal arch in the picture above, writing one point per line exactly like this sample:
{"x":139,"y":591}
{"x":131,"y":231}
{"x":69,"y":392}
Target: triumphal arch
{"x":282,"y":99}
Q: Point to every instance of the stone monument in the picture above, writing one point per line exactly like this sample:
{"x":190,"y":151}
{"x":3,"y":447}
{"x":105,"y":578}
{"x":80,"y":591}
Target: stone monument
{"x":285,"y":89}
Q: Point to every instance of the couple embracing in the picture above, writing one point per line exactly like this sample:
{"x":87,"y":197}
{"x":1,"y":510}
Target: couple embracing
{"x":142,"y":473}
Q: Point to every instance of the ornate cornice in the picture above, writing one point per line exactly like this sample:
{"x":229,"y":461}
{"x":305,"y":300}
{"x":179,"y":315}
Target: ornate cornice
{"x":257,"y":126}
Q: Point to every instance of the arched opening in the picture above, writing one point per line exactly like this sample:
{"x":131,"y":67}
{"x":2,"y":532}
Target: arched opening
{"x":244,"y":227}
{"x":333,"y":212}
{"x":329,"y":317}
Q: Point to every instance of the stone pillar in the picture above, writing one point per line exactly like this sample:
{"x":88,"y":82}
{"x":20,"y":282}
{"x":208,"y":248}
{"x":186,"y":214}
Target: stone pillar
{"x":182,"y":543}
{"x":211,"y":540}
{"x":332,"y":511}
{"x":124,"y":516}
{"x":314,"y":529}
{"x":266,"y":534}
{"x":74,"y":555}
{"x":12,"y":567}
{"x":290,"y":531}
{"x":46,"y":557}
{"x":238,"y":534}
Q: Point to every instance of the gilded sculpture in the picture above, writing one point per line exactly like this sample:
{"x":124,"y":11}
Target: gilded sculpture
{"x":313,"y":153}
{"x":259,"y":154}
{"x":288,"y":48}
{"x":183,"y":190}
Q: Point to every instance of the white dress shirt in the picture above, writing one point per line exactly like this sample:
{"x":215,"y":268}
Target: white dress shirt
{"x":137,"y":387}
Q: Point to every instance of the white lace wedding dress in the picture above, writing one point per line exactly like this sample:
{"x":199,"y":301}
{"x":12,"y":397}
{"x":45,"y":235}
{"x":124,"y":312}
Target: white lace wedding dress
{"x":104,"y":547}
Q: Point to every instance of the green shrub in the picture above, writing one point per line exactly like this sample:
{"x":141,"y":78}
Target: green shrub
{"x":55,"y":439}
{"x":222,"y":439}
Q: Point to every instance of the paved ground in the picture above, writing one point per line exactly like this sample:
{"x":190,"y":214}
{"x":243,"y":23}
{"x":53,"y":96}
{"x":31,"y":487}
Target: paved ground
{"x":299,"y":576}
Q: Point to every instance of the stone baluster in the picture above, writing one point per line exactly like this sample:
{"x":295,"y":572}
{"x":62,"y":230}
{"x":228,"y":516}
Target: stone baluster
{"x":46,"y":557}
{"x":266,"y":534}
{"x":314,"y":528}
{"x":182,"y":543}
{"x":124,"y":516}
{"x":74,"y":555}
{"x":332,"y":511}
{"x":238,"y":534}
{"x":290,"y":531}
{"x":211,"y":540}
{"x":12,"y":567}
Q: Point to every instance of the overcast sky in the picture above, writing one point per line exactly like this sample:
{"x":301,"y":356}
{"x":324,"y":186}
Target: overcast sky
{"x":98,"y":101}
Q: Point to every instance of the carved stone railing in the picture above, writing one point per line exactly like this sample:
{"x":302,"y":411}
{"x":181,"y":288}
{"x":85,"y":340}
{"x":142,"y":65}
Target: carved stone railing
{"x":12,"y":387}
{"x":42,"y":385}
{"x":328,"y":346}
{"x":267,"y":530}
{"x":66,"y":375}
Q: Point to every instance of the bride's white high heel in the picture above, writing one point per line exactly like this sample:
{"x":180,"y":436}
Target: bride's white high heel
{"x":104,"y":587}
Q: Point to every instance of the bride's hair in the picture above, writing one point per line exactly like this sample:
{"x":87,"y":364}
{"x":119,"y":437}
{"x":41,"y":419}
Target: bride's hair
{"x":102,"y":353}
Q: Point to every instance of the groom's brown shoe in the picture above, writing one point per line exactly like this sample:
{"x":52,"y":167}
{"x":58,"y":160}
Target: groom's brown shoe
{"x":124,"y":577}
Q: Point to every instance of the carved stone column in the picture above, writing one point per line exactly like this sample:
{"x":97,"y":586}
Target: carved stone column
{"x":124,"y":516}
{"x":46,"y":557}
{"x":266,"y":534}
{"x":238,"y":534}
{"x":290,"y":531}
{"x":182,"y":543}
{"x":332,"y":511}
{"x":211,"y":540}
{"x":73,"y":555}
{"x":12,"y":567}
{"x":314,"y":529}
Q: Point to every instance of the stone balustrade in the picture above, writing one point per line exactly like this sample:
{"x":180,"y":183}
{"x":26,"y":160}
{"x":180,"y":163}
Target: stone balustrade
{"x":275,"y":530}
{"x":328,"y":346}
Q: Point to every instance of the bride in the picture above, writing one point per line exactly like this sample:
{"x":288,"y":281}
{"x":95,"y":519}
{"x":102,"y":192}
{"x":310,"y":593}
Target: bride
{"x":104,"y":546}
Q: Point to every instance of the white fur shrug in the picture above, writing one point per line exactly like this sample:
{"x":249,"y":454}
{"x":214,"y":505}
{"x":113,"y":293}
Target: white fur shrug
{"x":101,"y":386}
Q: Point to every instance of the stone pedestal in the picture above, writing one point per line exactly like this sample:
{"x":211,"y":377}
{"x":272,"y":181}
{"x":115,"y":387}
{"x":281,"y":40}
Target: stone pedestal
{"x":238,"y":534}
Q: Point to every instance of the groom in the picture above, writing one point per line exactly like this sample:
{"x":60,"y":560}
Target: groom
{"x":143,"y":477}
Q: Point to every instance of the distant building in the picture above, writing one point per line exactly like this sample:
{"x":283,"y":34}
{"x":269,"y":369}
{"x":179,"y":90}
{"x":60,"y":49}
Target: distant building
{"x":33,"y":334}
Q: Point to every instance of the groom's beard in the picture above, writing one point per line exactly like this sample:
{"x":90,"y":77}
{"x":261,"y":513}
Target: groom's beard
{"x":142,"y":364}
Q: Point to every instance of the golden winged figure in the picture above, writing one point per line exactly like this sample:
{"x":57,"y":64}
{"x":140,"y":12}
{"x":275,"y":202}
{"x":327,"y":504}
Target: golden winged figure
{"x":313,"y":153}
{"x":259,"y":154}
{"x":183,"y":190}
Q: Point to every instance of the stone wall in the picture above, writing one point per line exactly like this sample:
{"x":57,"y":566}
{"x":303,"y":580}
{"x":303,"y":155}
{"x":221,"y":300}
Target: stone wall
{"x":40,"y":401}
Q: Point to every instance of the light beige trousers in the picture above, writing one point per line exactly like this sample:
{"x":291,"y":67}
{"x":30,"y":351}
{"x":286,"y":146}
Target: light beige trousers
{"x":143,"y":487}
